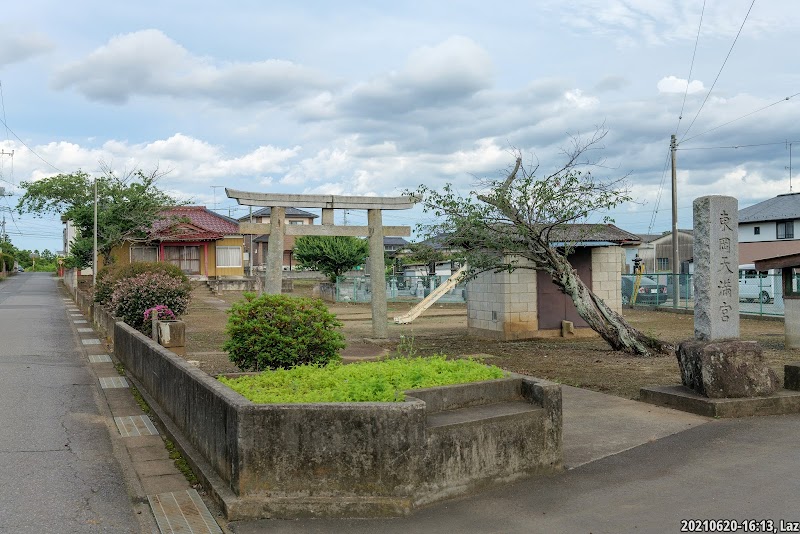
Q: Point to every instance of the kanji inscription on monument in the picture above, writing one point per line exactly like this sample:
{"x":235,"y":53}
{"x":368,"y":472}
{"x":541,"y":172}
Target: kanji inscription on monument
{"x":716,"y":268}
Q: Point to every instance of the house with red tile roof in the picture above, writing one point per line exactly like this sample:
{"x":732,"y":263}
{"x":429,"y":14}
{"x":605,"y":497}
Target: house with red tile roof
{"x":204,"y":244}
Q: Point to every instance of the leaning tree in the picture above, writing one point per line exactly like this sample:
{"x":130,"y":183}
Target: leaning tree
{"x":536,"y":218}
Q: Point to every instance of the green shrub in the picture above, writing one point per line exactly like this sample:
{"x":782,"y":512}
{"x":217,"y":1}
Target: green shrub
{"x":108,"y":276}
{"x":133,"y":296}
{"x":275,"y":331}
{"x":382,"y":381}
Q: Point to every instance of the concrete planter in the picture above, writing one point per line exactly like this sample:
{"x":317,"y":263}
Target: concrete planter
{"x":171,"y":334}
{"x":347,"y":459}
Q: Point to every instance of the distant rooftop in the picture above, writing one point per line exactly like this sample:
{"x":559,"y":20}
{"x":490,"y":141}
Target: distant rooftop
{"x":774,"y":209}
{"x":290,"y":212}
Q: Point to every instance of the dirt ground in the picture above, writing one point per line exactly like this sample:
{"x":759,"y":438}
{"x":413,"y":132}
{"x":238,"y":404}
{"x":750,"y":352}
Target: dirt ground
{"x":586,"y":363}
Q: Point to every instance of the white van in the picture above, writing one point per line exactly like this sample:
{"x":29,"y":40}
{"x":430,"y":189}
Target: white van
{"x":758,"y":286}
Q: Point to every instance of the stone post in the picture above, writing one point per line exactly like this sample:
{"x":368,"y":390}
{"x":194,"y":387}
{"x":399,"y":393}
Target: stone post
{"x":377,"y":274}
{"x":274,"y":274}
{"x":716,"y":268}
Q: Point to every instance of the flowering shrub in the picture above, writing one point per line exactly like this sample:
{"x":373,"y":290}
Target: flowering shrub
{"x":132,"y":296}
{"x":108,"y":277}
{"x":275,"y":331}
{"x":161,"y":312}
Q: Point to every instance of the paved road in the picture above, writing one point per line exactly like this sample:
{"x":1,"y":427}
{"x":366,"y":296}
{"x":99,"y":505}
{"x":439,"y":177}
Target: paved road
{"x":725,"y":469}
{"x":58,"y":473}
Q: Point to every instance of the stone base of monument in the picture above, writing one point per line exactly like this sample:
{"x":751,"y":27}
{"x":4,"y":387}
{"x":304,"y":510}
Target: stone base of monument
{"x":725,"y":369}
{"x":727,"y":379}
{"x":783,"y":401}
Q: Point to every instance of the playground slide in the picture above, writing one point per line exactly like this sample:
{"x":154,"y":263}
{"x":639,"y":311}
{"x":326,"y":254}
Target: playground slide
{"x":435,"y":295}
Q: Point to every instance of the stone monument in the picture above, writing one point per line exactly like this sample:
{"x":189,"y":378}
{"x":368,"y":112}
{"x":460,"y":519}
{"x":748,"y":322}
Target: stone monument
{"x":716,"y":363}
{"x":716,"y":268}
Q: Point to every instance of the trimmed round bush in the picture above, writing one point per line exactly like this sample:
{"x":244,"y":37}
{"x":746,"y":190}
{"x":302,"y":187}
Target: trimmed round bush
{"x":133,"y":296}
{"x":108,"y":276}
{"x":276,"y":331}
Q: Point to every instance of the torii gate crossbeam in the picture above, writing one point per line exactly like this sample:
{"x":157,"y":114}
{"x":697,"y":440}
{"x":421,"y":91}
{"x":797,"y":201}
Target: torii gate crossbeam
{"x":375,"y":231}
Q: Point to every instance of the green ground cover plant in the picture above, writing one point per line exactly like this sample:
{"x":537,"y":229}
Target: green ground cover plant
{"x":382,"y":381}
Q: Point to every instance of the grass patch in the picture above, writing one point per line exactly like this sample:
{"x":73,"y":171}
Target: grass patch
{"x":180,"y":462}
{"x":382,"y":381}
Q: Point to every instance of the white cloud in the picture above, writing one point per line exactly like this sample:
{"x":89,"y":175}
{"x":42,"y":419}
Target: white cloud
{"x":149,"y":63}
{"x":672,"y":84}
{"x":434,"y":76}
{"x":578,"y":100}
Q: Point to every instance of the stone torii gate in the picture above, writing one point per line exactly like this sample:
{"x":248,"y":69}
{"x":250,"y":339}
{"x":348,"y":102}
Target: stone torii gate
{"x":375,"y":231}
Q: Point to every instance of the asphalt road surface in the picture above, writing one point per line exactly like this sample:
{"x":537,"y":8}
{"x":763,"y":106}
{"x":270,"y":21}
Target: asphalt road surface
{"x":58,"y":473}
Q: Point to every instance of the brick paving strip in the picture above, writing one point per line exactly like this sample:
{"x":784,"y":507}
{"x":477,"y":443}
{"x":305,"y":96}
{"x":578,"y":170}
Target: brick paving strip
{"x":182,"y":511}
{"x":175,"y":506}
{"x":135,"y":425}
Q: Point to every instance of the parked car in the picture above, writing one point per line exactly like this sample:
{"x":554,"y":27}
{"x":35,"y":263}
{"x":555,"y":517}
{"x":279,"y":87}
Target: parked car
{"x":20,"y":270}
{"x":650,"y":292}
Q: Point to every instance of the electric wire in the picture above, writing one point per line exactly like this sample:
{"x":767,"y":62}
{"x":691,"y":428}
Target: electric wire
{"x":29,"y":148}
{"x":691,"y":67}
{"x":740,"y":118}
{"x":660,"y":191}
{"x":718,"y":73}
{"x":739,"y":146}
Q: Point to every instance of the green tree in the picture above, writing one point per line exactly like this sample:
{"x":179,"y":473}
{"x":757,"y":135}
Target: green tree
{"x":332,"y":256}
{"x":126,"y":207}
{"x":534,"y":218}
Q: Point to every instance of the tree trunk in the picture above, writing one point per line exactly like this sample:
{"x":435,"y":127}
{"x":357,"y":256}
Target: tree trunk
{"x":602,"y":319}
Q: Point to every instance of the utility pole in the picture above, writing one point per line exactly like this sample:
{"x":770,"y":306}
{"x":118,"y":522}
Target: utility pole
{"x":676,"y":268}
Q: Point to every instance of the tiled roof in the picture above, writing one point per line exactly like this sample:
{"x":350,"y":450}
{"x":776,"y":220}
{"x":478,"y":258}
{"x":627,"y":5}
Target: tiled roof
{"x":774,"y":209}
{"x":290,"y":212}
{"x":193,"y":223}
{"x":394,"y":241}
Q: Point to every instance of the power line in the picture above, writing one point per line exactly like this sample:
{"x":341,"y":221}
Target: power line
{"x":719,"y":73}
{"x":29,"y":148}
{"x":740,"y":118}
{"x":691,"y":66}
{"x":660,"y":190}
{"x":738,"y":146}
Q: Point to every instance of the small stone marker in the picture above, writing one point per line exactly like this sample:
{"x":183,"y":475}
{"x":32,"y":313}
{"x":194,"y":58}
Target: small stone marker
{"x":716,"y":268}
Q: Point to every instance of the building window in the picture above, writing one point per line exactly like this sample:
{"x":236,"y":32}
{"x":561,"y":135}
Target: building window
{"x":662,"y":264}
{"x":756,"y":230}
{"x":785,"y":230}
{"x":229,"y":256}
{"x":144,"y":254}
{"x":296,"y":222}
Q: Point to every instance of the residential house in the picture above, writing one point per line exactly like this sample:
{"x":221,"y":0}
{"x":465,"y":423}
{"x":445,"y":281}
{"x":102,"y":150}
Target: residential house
{"x":770,"y":228}
{"x":204,"y":244}
{"x":256,"y":246}
{"x":393,"y":245}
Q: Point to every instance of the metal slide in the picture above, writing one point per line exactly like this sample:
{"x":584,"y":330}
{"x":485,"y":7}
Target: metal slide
{"x":435,"y":295}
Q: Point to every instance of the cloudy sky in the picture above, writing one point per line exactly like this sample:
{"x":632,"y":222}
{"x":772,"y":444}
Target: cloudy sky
{"x":371,"y":98}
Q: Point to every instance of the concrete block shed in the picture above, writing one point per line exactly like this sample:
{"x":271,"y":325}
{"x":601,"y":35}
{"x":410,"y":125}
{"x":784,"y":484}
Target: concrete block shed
{"x":526,"y":304}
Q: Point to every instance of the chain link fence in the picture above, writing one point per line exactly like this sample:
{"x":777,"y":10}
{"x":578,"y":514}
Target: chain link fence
{"x":399,"y":288}
{"x":760,"y":293}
